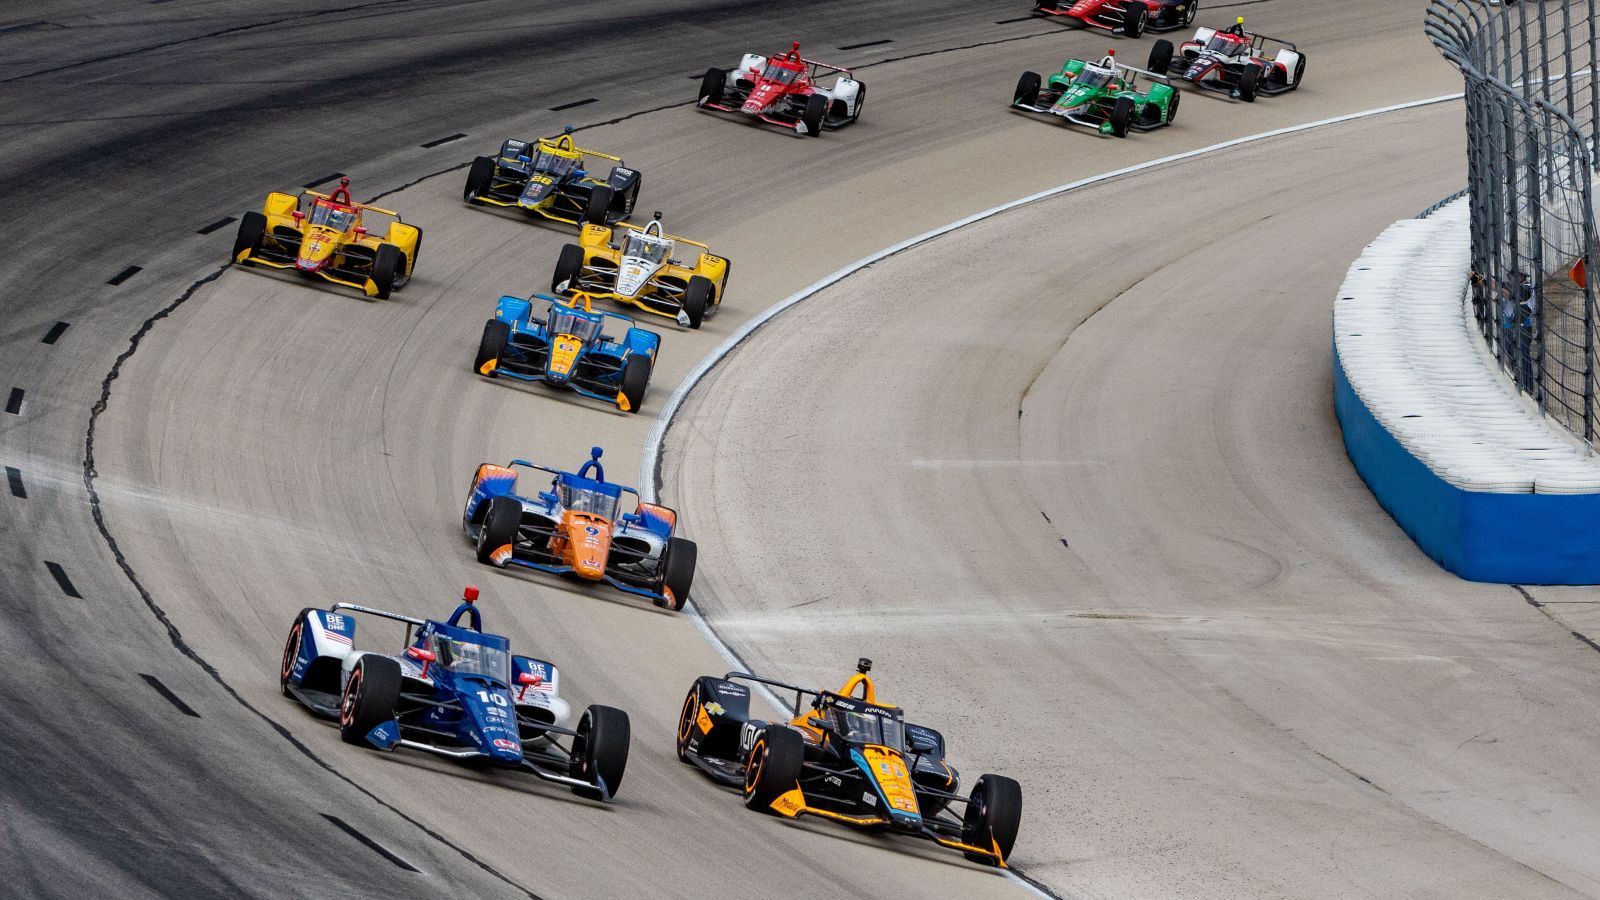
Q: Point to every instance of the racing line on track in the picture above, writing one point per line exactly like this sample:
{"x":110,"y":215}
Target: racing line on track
{"x":650,"y":464}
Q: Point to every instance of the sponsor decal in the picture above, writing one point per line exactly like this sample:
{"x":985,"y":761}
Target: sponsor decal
{"x":502,"y":556}
{"x":715,"y":708}
{"x":504,"y":744}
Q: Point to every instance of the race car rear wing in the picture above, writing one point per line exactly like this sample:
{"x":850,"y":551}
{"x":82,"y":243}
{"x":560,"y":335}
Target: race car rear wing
{"x":800,"y":693}
{"x":382,"y":614}
{"x":822,"y":68}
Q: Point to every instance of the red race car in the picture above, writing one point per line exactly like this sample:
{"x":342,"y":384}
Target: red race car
{"x":1126,"y":17}
{"x":784,"y":91}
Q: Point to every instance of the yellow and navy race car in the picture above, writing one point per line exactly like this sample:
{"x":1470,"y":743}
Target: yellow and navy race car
{"x":326,"y":236}
{"x":548,"y":177}
{"x":637,"y":265}
{"x":847,"y":758}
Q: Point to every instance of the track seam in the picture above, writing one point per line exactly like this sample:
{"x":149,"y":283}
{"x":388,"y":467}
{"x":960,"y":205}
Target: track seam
{"x":90,"y":474}
{"x":655,"y":442}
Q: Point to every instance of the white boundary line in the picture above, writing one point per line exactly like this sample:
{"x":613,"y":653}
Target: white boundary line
{"x":650,"y":465}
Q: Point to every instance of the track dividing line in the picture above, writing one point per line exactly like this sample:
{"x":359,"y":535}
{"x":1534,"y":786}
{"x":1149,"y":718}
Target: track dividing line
{"x":124,"y":275}
{"x":218,"y":225}
{"x":62,"y":581}
{"x":14,"y":478}
{"x":444,"y":140}
{"x":371,"y":844}
{"x":876,"y":43}
{"x":575,"y":104}
{"x":55,"y":332}
{"x":323,"y":180}
{"x":166,"y":692}
{"x":14,"y":402}
{"x":650,"y":464}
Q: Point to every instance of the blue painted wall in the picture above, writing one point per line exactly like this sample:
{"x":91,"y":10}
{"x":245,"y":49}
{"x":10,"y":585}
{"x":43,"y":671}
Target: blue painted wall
{"x":1501,"y":538}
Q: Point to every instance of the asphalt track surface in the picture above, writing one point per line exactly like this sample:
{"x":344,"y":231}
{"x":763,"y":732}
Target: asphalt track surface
{"x":271,"y":445}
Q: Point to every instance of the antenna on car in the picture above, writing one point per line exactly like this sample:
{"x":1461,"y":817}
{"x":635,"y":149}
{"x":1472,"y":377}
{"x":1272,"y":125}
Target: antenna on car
{"x":657,"y":215}
{"x":863,"y":665}
{"x":567,"y":129}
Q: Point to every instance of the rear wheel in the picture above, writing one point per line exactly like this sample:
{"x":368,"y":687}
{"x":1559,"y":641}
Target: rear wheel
{"x":816,"y":109}
{"x":1161,"y":56}
{"x":686,"y":726}
{"x":478,"y":179}
{"x":1121,"y":116}
{"x":712,"y":86}
{"x":1172,"y":106}
{"x":635,"y":378}
{"x":1299,"y":73}
{"x":499,"y":532}
{"x":569,"y":266}
{"x":252,"y":229}
{"x":370,"y":697}
{"x":773,"y":768}
{"x":1189,"y":10}
{"x":385,"y":266}
{"x":679,"y":575}
{"x":994,"y":813}
{"x":696,"y":297}
{"x":600,"y":750}
{"x":598,"y":210}
{"x":1027,"y":90}
{"x":1248,"y":83}
{"x":1134,"y":18}
{"x":496,"y":335}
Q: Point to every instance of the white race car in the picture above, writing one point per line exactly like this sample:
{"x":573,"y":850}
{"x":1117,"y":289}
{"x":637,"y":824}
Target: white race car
{"x":784,"y":90}
{"x":1232,"y":61}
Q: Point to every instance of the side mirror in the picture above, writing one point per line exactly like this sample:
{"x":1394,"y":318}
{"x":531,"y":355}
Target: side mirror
{"x":298,"y":215}
{"x":529,"y":679}
{"x":360,"y":230}
{"x":421,"y":655}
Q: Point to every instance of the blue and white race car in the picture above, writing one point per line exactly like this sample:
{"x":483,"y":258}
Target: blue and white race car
{"x":454,"y":691}
{"x":580,"y":529}
{"x":567,"y":347}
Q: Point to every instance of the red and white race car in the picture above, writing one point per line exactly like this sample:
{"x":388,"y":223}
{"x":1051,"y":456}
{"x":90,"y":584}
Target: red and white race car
{"x":1126,"y":17}
{"x":783,"y":90}
{"x":1233,"y":62}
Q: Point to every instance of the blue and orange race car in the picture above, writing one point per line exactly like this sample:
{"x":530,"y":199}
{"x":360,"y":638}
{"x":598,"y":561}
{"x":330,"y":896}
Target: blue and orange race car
{"x":578,"y":529}
{"x":454,"y":691}
{"x":567,"y":347}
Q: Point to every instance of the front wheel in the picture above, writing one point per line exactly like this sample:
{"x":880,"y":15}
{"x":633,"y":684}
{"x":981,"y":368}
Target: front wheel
{"x":478,"y":178}
{"x":994,"y":814}
{"x":1027,"y":93}
{"x":696,"y":297}
{"x":679,"y":563}
{"x":811,"y":119}
{"x":1249,"y":82}
{"x":600,"y":751}
{"x":385,"y":266}
{"x":598,"y":210}
{"x":1134,"y":18}
{"x":496,"y":335}
{"x":370,"y":697}
{"x":1161,"y":56}
{"x":291,"y":651}
{"x":1172,"y":107}
{"x":635,"y":378}
{"x":497,"y":539}
{"x":569,"y":268}
{"x":773,"y":768}
{"x":1121,"y":116}
{"x":712,"y":86}
{"x":686,"y":724}
{"x":252,"y":231}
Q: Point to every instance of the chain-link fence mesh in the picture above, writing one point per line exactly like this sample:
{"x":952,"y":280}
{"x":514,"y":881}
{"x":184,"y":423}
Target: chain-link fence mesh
{"x":1532,"y":110}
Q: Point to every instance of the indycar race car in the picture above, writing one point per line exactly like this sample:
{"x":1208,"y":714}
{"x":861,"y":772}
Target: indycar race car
{"x":845,"y":758}
{"x":567,"y":347}
{"x":784,"y":91}
{"x":1104,"y":96}
{"x":636,"y":265}
{"x":548,"y":177}
{"x":454,"y":691}
{"x":1126,"y":17}
{"x":1232,"y":61}
{"x":575,"y":529}
{"x":325,"y":235}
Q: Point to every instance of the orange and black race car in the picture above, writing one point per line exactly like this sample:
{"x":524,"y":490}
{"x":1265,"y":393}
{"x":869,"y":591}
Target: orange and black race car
{"x":847,"y":758}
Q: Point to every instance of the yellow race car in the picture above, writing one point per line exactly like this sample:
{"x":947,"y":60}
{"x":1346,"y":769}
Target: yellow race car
{"x":637,"y":265}
{"x":323,"y":235}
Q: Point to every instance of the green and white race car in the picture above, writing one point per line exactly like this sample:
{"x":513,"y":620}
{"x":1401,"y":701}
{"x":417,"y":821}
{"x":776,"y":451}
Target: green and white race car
{"x":1103,"y":95}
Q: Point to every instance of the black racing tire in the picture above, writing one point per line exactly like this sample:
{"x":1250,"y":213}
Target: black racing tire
{"x":993,"y":816}
{"x":773,"y":768}
{"x":1121,"y":116}
{"x":1249,"y":81}
{"x":385,"y":266}
{"x":679,"y":563}
{"x":635,"y":378}
{"x":252,"y":230}
{"x":1161,"y":57}
{"x":861,"y":103}
{"x":600,"y":748}
{"x":816,"y":111}
{"x":569,"y":265}
{"x":1172,"y":106}
{"x":499,"y":530}
{"x":370,"y":697}
{"x":696,"y":297}
{"x":711,"y":87}
{"x":291,"y":650}
{"x":686,"y":725}
{"x":496,"y":335}
{"x":598,"y":210}
{"x":1299,"y":74}
{"x":478,"y":179}
{"x":1135,"y":16}
{"x":1189,"y":11}
{"x":1027,"y":89}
